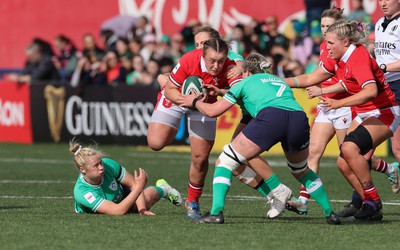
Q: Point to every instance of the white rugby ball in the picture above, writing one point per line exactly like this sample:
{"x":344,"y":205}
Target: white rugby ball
{"x":193,"y":85}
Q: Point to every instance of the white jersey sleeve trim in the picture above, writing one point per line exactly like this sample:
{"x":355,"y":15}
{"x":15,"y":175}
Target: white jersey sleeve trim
{"x":175,"y":82}
{"x":98,"y":205}
{"x":344,"y":85}
{"x":367,"y":82}
{"x":327,"y":71}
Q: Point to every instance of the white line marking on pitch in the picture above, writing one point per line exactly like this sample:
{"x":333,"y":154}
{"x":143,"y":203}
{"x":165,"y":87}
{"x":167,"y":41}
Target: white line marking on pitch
{"x":229,"y":197}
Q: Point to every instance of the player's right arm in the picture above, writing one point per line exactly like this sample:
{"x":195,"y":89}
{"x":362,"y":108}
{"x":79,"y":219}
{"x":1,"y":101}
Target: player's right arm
{"x":172,"y":91}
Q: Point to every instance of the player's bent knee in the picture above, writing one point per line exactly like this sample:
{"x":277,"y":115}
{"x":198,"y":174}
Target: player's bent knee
{"x":230,"y":158}
{"x":297,"y":168}
{"x":361,"y":138}
{"x":247,"y":175}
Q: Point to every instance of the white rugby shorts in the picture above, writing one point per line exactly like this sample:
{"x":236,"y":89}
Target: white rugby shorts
{"x":170,"y":114}
{"x":340,"y":118}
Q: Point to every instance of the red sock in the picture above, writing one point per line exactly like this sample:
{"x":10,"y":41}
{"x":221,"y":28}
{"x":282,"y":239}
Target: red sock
{"x":194,"y":192}
{"x":304,"y":193}
{"x":370,"y":193}
{"x":382,"y":166}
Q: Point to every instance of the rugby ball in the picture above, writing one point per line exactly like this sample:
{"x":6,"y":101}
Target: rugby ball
{"x":193,"y":85}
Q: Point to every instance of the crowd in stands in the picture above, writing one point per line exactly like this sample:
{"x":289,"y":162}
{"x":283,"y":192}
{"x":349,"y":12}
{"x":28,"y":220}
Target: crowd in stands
{"x":140,"y":55}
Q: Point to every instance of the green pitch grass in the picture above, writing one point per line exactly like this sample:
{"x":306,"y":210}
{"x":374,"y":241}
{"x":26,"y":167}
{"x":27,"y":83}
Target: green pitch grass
{"x":36,"y":208}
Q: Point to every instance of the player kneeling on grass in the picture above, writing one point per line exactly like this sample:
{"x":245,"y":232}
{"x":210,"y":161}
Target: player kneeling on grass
{"x":277,"y":117}
{"x":104,"y":186}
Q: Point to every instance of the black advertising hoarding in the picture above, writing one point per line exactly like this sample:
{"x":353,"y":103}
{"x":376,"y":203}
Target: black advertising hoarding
{"x":103,"y":114}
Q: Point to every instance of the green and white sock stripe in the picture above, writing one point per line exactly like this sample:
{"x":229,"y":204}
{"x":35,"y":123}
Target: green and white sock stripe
{"x":221,"y":184}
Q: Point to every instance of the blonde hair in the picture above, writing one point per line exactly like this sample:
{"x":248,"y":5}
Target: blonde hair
{"x":356,"y":32}
{"x":80,"y":153}
{"x":335,"y":12}
{"x":256,"y":63}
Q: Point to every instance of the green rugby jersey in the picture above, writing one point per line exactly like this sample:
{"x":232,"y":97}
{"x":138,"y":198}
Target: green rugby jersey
{"x":89,"y":197}
{"x":234,"y":56}
{"x":263,"y":90}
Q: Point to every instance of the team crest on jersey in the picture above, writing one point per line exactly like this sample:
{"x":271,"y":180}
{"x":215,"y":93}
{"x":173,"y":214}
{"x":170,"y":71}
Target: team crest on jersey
{"x":113,"y":186}
{"x":89,"y":197}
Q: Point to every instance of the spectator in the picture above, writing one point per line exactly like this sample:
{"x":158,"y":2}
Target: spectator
{"x":66,"y":56}
{"x":140,"y":29}
{"x":358,"y":13}
{"x":153,"y":70}
{"x":112,"y":69}
{"x":46,"y":46}
{"x":301,"y":46}
{"x":122,"y":48}
{"x":136,"y":76}
{"x":314,"y":10}
{"x":316,"y":36}
{"x":150,"y":47}
{"x":109,"y":39}
{"x":163,"y":47}
{"x":236,"y":39}
{"x":166,"y":65}
{"x":177,"y":47}
{"x":187,"y":33}
{"x":88,"y":71}
{"x":39,"y":67}
{"x":90,"y":48}
{"x":270,"y":36}
{"x":135,"y":45}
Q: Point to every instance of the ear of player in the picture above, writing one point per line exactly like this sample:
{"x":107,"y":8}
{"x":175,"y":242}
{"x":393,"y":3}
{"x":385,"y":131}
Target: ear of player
{"x":193,"y":85}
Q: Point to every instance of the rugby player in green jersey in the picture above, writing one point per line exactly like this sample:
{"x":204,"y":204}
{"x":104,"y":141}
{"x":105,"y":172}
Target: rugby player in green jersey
{"x":277,"y":117}
{"x":104,"y":186}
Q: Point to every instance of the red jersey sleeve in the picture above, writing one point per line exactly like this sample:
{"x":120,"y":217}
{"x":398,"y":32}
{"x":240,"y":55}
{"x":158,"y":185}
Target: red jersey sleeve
{"x":362,"y":69}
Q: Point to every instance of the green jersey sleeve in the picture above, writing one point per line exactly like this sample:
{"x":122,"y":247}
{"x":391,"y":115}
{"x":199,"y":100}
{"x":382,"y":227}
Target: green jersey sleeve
{"x":87,"y":200}
{"x":115,"y":169}
{"x":235,"y":56}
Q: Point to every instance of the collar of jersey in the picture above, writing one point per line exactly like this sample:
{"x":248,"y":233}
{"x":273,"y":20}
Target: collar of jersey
{"x":95,"y":186}
{"x":348,"y":53}
{"x":203,"y":65}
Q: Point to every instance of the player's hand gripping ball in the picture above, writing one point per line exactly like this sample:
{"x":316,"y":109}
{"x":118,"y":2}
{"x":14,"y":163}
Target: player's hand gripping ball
{"x":193,"y":85}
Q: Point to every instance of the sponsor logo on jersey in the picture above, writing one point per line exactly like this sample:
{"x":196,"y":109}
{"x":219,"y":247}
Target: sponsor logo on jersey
{"x":113,"y":186}
{"x":90,"y":197}
{"x":176,"y":68}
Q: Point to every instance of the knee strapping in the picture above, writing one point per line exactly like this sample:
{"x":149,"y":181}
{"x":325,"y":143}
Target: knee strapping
{"x":362,"y":138}
{"x":297,"y":167}
{"x":247,"y":175}
{"x":230,"y":158}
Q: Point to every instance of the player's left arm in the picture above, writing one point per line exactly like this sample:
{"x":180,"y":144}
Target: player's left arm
{"x":213,"y":109}
{"x":129,"y":181}
{"x":368,"y":92}
{"x":393,"y":66}
{"x":208,"y":109}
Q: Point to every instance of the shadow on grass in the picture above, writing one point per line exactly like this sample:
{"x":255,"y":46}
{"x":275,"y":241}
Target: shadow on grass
{"x":235,"y":219}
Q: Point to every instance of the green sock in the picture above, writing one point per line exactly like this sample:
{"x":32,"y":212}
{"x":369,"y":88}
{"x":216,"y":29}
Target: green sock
{"x":317,"y":191}
{"x":221,"y":184}
{"x":273,"y":182}
{"x":263,"y":188}
{"x":160,"y":191}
